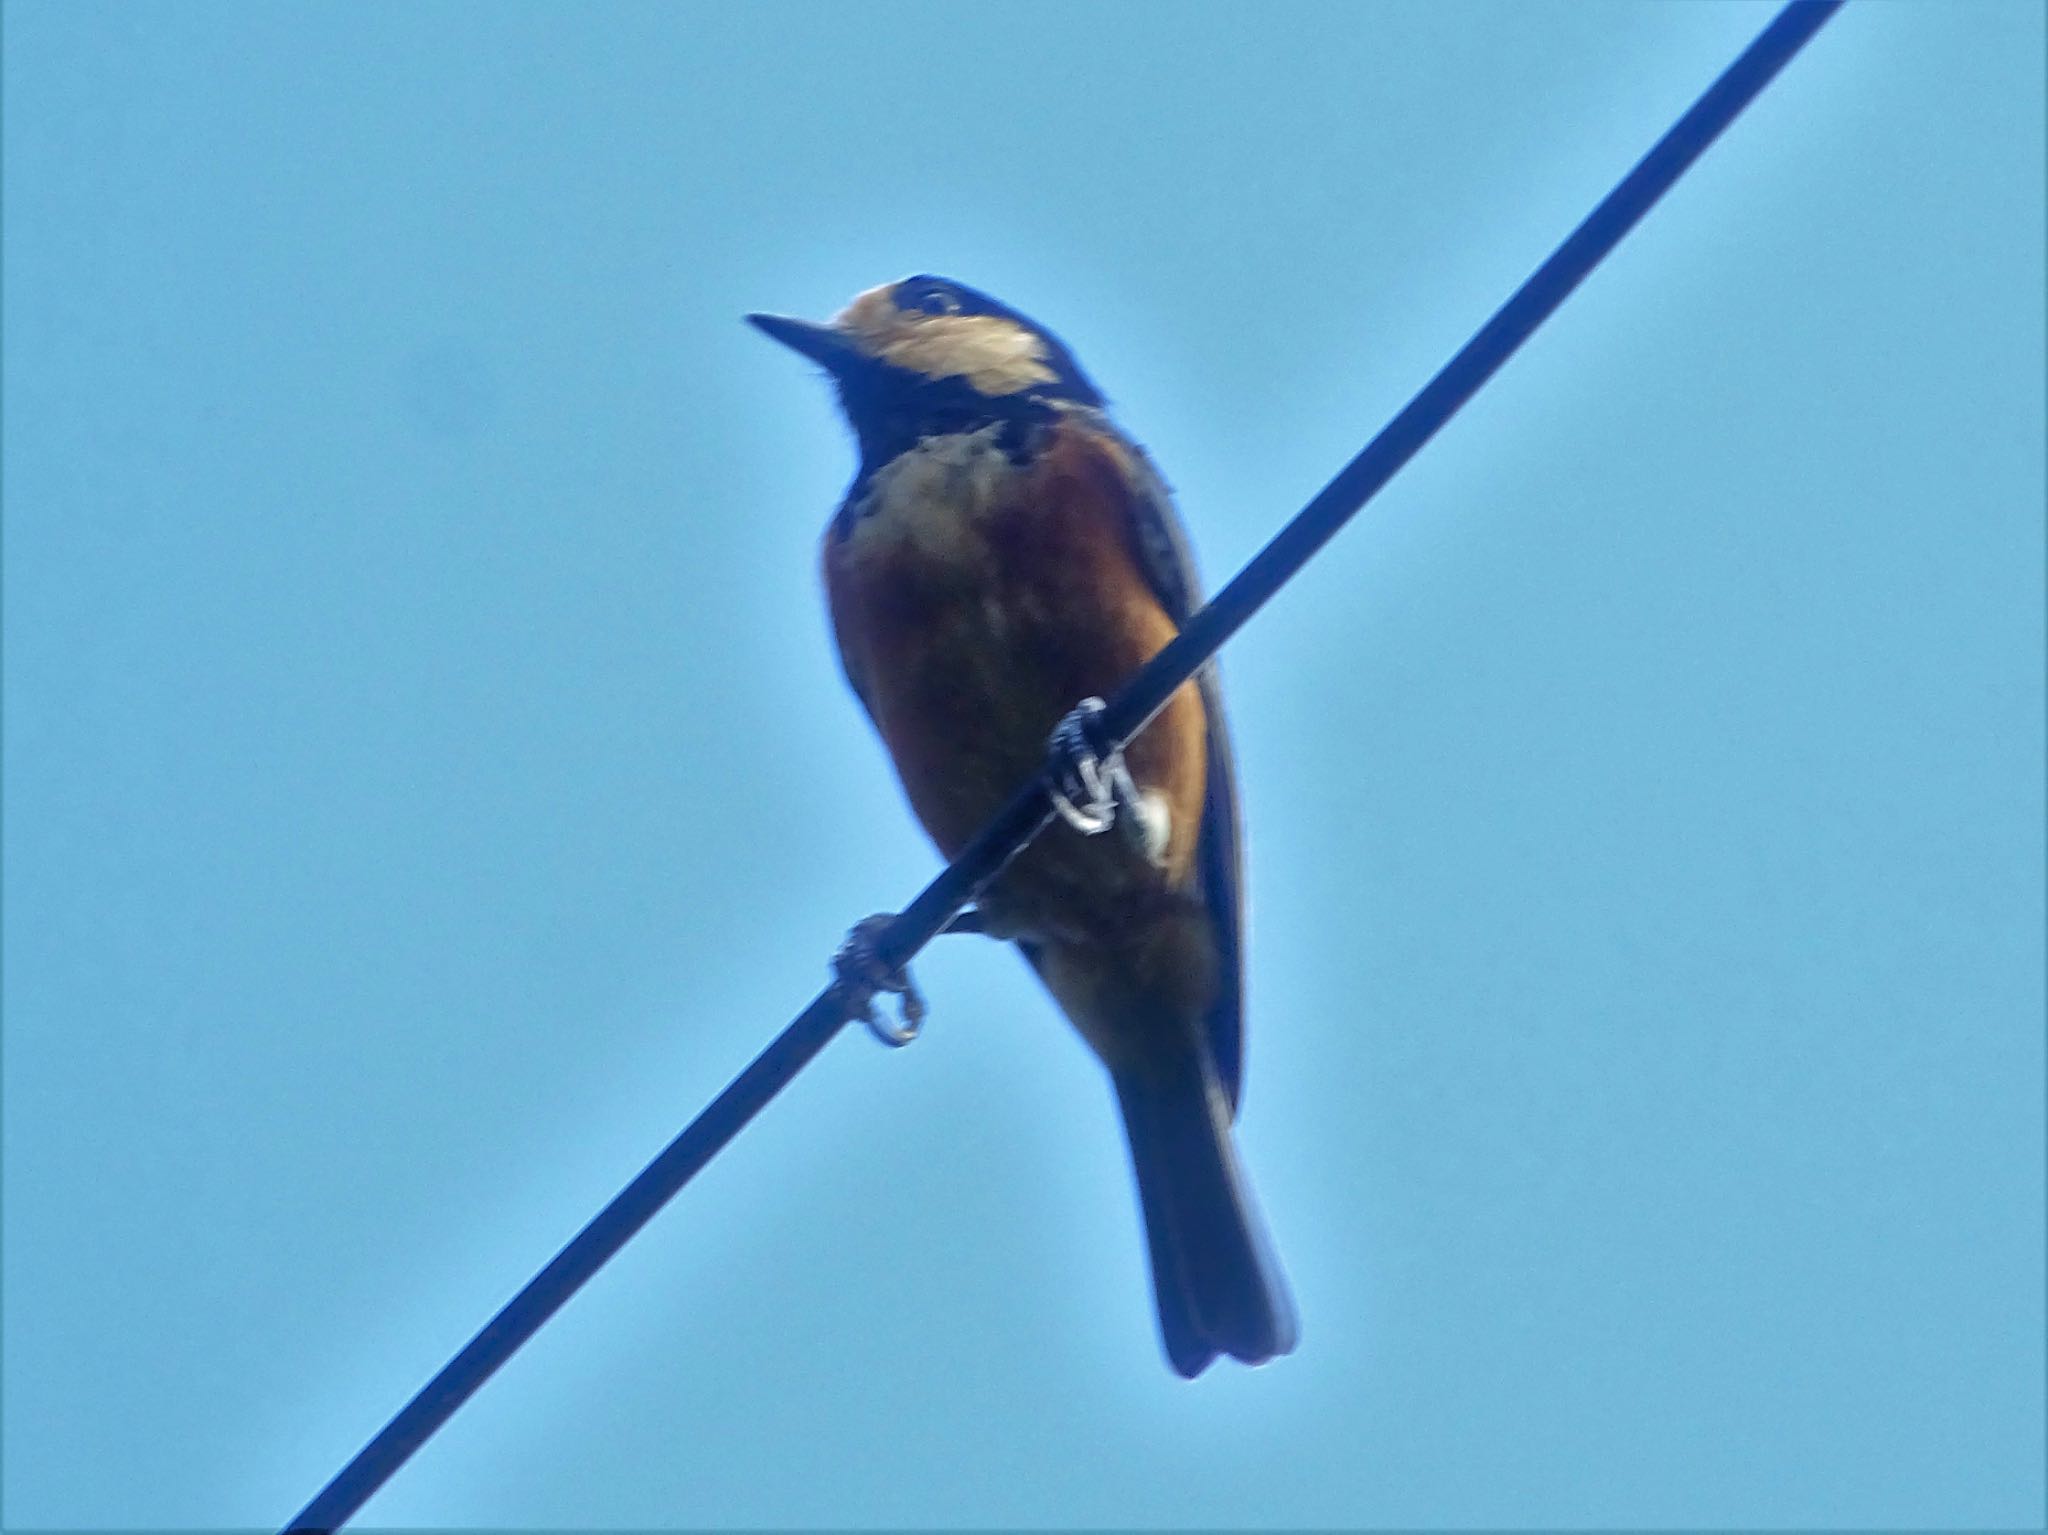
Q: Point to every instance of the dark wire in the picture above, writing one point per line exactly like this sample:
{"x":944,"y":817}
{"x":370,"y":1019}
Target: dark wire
{"x":1028,"y":811}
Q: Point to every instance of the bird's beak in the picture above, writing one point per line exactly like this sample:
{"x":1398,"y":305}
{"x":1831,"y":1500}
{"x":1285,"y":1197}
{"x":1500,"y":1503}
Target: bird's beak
{"x":824,"y":344}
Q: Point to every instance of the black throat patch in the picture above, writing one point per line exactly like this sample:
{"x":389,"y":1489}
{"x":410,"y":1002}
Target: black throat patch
{"x":892,"y":411}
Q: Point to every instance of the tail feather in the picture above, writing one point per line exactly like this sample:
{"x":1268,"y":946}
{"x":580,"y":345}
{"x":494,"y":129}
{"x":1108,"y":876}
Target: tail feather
{"x":1219,"y":1286}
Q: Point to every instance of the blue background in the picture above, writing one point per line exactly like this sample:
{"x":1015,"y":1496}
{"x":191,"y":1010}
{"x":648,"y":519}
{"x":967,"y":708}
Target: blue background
{"x":428,"y":778}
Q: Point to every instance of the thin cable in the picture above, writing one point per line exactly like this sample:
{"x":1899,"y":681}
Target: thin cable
{"x":1031,"y":807}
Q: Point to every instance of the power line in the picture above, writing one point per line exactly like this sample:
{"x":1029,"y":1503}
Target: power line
{"x":1030,"y":808}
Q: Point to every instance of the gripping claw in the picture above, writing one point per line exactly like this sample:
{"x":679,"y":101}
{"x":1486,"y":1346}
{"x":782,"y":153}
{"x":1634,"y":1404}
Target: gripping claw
{"x":1085,"y":775}
{"x":861,"y":974}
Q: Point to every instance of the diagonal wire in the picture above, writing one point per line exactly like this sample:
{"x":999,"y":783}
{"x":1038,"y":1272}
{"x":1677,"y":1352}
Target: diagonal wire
{"x":1030,"y":808}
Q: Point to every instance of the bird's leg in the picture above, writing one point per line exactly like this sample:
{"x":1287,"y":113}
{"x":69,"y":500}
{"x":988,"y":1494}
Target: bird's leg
{"x":858,"y":968}
{"x":860,"y":972}
{"x":1091,"y":788}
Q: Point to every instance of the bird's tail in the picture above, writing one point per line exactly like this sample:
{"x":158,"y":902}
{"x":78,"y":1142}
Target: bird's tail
{"x":1220,"y":1287}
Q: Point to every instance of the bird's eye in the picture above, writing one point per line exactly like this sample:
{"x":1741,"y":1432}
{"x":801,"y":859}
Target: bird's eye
{"x":935,"y":301}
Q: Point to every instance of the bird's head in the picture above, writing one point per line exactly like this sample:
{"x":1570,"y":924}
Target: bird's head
{"x":931,"y":347}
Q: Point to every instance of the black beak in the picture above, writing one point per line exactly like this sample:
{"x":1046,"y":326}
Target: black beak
{"x":823,"y":344}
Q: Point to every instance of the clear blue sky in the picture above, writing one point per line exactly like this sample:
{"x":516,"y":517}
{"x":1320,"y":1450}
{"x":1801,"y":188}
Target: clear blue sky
{"x":427,"y":777}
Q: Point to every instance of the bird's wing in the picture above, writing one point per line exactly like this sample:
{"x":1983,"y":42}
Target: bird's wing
{"x":1169,"y":566}
{"x":851,"y":656}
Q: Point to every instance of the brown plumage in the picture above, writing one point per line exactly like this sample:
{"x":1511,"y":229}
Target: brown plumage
{"x":1004,"y":554}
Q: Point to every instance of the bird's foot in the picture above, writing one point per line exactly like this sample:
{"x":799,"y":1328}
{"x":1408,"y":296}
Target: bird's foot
{"x":857,"y":967}
{"x":1091,"y":788}
{"x":1084,"y":771}
{"x":861,"y":973}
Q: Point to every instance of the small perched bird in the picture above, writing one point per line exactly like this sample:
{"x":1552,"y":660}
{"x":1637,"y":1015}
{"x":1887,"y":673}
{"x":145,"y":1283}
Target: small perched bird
{"x":1003,"y":553}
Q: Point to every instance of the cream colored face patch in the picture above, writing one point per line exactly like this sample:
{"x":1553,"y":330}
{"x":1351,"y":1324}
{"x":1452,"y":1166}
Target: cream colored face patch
{"x":992,"y":352}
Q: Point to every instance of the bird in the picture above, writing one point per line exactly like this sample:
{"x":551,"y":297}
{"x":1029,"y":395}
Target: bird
{"x":1003,"y":553}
